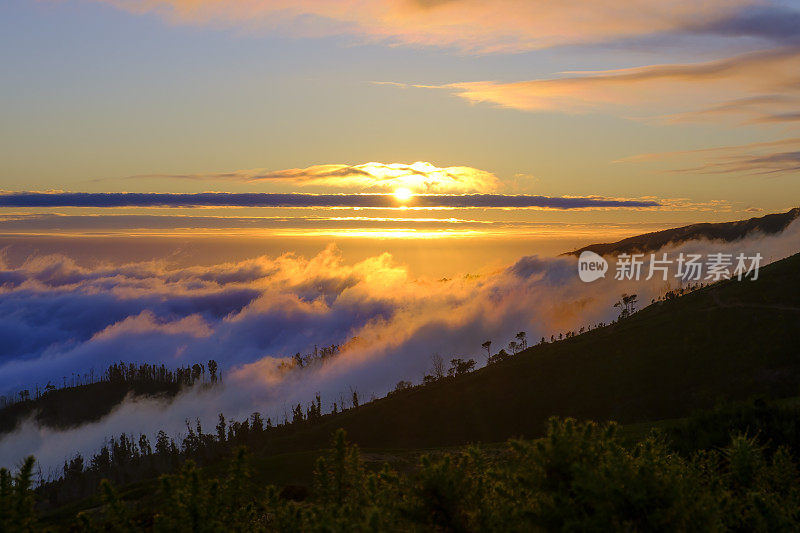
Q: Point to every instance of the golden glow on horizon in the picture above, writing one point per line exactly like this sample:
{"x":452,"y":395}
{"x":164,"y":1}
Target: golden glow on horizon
{"x":590,"y":232}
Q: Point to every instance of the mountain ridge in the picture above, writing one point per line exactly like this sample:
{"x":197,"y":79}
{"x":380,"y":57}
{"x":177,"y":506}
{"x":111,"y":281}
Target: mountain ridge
{"x":726,"y":231}
{"x":614,"y":372}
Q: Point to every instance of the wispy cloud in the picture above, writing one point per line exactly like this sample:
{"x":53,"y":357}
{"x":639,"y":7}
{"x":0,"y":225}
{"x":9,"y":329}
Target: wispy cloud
{"x":760,"y":109}
{"x":419,"y":177}
{"x":764,"y":158}
{"x":756,"y":86}
{"x":774,"y":23}
{"x":774,"y":163}
{"x":765,"y":78}
{"x":382,"y":201}
{"x":467,"y":25}
{"x":794,"y":141}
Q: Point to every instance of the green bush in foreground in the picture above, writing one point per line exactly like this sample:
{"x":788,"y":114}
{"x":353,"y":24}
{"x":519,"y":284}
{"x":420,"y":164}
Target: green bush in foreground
{"x":579,"y":477}
{"x":16,"y":499}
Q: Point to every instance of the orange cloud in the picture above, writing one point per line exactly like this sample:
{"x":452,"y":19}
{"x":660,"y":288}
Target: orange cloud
{"x":655,"y":90}
{"x":470,"y":25}
{"x":419,"y":177}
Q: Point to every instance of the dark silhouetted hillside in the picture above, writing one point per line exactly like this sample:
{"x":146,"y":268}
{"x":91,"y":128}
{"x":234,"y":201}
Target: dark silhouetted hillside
{"x":74,"y":405}
{"x":725,"y":231}
{"x":733,"y":340}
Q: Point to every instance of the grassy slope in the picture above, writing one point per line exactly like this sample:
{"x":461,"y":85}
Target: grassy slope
{"x":731,"y":341}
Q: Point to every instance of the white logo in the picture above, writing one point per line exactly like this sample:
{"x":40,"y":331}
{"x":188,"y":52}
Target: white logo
{"x":591,"y":266}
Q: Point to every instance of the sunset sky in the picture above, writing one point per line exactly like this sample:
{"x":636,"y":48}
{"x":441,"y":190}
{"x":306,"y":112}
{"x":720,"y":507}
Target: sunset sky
{"x":243,"y":181}
{"x":605,"y":118}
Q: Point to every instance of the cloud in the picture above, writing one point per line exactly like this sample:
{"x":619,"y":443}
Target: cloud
{"x":467,"y":25}
{"x":760,"y":109}
{"x":775,"y":163}
{"x":419,"y":177}
{"x":773,"y":23}
{"x":755,"y":159}
{"x":764,"y":77}
{"x":252,"y":315}
{"x":758,"y":85}
{"x":382,"y":201}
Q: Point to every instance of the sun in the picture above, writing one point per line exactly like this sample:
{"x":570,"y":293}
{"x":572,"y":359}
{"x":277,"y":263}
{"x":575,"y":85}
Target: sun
{"x":403,"y":194}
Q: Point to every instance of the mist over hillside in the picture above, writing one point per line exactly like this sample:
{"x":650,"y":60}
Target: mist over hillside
{"x":720,"y":231}
{"x":254,"y":316}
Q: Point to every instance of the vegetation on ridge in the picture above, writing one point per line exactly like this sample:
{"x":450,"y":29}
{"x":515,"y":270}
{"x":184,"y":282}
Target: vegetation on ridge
{"x":579,"y":476}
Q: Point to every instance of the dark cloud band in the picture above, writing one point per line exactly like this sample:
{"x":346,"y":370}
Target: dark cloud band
{"x":222,"y":199}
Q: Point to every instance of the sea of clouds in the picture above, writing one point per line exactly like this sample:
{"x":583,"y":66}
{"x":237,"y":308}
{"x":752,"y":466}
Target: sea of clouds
{"x":58,"y":318}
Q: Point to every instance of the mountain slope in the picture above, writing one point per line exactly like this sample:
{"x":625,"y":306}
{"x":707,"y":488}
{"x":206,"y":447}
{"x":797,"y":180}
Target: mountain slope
{"x":733,"y":340}
{"x":726,"y":231}
{"x":73,"y":406}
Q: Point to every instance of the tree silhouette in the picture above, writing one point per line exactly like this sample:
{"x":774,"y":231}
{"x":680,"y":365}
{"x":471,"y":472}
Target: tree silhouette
{"x":162,"y":443}
{"x":297,"y":414}
{"x":402,"y":385}
{"x":196,"y":372}
{"x":626,"y":305}
{"x":460,"y":366}
{"x":488,"y":347}
{"x":256,"y":422}
{"x":522,"y":337}
{"x":17,"y":511}
{"x":212,"y":370}
{"x":437,"y":370}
